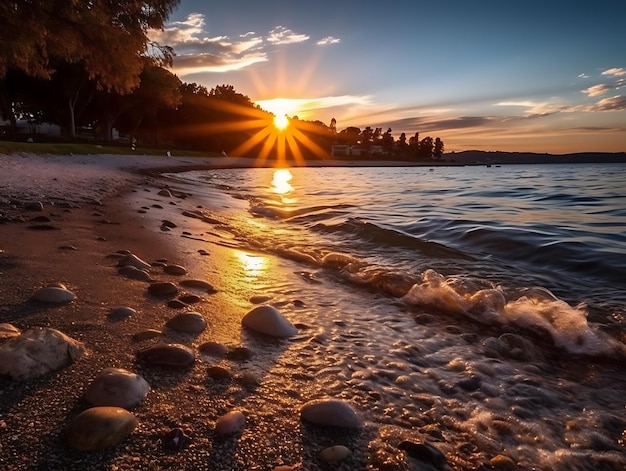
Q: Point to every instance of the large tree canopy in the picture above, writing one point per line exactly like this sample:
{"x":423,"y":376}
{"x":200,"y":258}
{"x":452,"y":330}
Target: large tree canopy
{"x":106,"y":36}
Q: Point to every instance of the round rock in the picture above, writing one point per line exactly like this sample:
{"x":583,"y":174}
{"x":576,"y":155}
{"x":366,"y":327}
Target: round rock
{"x":269,"y":321}
{"x":330,"y":412}
{"x":117,"y":387}
{"x":170,"y":355}
{"x":134,"y":261}
{"x":187,"y":322}
{"x":175,"y":270}
{"x":199,"y":284}
{"x":99,"y":428}
{"x":54,"y":295}
{"x":334,"y":453}
{"x":134,"y":273}
{"x":163,"y":288}
{"x":121,"y":313}
{"x":214,"y":349}
{"x":230,"y":423}
{"x":36,"y":352}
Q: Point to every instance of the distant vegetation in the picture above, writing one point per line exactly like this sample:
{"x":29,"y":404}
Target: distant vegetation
{"x":86,"y":71}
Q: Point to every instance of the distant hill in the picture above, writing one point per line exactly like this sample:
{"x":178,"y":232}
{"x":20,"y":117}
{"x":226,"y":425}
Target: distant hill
{"x":483,"y":157}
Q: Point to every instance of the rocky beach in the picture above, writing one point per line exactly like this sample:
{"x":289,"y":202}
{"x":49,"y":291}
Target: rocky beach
{"x":137,"y":332}
{"x":119,"y":351}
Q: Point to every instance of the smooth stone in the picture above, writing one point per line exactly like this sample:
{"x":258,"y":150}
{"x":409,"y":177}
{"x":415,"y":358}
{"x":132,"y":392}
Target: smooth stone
{"x":134,"y":261}
{"x":190,"y":298}
{"x":167,"y":355}
{"x":176,"y":304}
{"x":163,"y":288}
{"x":167,"y":223}
{"x":175,"y":270}
{"x":99,"y":428}
{"x":37,"y":351}
{"x":165,"y":192}
{"x":117,"y":387}
{"x":330,"y":412}
{"x":34,"y":206}
{"x":134,"y":273}
{"x":213,"y":349}
{"x":268,"y":320}
{"x":425,"y":453}
{"x":502,"y":462}
{"x":260,"y":299}
{"x":218,"y":373}
{"x":230,"y":423}
{"x":334,"y":453}
{"x":146,"y":335}
{"x":8,"y":331}
{"x":121,"y":313}
{"x":188,"y":322}
{"x":198,"y":284}
{"x":54,"y":295}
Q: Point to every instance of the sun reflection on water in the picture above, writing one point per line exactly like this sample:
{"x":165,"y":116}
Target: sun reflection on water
{"x":281,"y":185}
{"x":254,"y":266}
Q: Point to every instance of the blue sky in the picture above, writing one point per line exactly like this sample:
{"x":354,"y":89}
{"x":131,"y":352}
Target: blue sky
{"x":540,"y":76}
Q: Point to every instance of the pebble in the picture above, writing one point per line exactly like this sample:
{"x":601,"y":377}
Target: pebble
{"x":176,"y":304}
{"x":213,"y":349}
{"x":335,"y":453}
{"x":502,"y":462}
{"x":37,"y":351}
{"x":167,"y":355}
{"x":190,"y":298}
{"x":99,"y":428}
{"x":146,"y":335}
{"x":230,"y":423}
{"x":426,"y":453}
{"x":165,"y":192}
{"x":163,"y":288}
{"x":198,"y":284}
{"x":187,"y":322}
{"x":121,"y":313}
{"x":135,"y":273}
{"x":134,"y":261}
{"x":175,"y":270}
{"x":268,"y":320}
{"x":117,"y":387}
{"x":54,"y":295}
{"x":218,"y":373}
{"x":330,"y":412}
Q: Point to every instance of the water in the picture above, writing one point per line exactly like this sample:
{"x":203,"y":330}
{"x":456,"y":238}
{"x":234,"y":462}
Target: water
{"x":481,"y":309}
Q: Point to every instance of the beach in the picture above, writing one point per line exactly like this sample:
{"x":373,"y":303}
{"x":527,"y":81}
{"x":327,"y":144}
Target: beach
{"x":65,"y":220}
{"x":417,"y":385}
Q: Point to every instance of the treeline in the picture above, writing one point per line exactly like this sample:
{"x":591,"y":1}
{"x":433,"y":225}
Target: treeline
{"x":90,"y":68}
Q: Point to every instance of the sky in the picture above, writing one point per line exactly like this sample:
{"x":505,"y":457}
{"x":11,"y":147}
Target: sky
{"x":518,"y":76}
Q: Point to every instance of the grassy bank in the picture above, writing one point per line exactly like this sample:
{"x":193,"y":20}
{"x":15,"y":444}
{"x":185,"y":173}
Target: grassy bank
{"x":10,"y":147}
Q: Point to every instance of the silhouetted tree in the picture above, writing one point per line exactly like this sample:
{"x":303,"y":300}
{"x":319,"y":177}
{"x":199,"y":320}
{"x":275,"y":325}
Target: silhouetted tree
{"x":438,"y":150}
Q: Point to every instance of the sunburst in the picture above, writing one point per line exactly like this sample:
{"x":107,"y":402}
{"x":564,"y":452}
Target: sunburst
{"x":277,"y":136}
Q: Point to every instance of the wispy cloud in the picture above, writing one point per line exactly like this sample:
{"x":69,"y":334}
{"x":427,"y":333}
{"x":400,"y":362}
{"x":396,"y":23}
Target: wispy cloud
{"x":615,"y":71}
{"x":597,"y":90}
{"x":328,"y":40}
{"x":196,"y":51}
{"x":282,"y":35}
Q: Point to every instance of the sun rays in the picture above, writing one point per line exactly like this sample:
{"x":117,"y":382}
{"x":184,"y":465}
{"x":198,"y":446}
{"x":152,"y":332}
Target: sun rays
{"x":286,"y":141}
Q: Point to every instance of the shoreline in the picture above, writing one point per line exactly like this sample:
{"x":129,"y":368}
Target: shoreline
{"x":72,"y":239}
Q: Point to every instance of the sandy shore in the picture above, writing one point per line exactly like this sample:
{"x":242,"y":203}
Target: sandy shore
{"x":64,"y":218}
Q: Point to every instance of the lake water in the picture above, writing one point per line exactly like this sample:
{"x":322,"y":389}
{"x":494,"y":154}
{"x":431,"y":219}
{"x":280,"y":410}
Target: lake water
{"x":479,"y":309}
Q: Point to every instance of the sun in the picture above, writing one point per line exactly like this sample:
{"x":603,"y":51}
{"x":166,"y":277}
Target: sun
{"x":281,"y":122}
